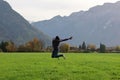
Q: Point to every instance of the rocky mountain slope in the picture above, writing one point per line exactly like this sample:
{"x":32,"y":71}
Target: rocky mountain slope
{"x":15,"y":28}
{"x":100,"y":24}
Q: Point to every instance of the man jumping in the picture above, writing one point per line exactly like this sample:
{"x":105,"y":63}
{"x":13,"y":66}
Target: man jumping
{"x":55,"y":45}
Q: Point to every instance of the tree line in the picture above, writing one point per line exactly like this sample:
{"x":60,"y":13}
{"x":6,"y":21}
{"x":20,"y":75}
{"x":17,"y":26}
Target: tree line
{"x":34,"y":45}
{"x":90,"y":48}
{"x":37,"y":45}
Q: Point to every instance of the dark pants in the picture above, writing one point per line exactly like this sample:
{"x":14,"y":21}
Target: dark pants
{"x":55,"y":54}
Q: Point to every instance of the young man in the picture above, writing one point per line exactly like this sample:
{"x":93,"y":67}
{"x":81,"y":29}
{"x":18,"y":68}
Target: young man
{"x":55,"y":45}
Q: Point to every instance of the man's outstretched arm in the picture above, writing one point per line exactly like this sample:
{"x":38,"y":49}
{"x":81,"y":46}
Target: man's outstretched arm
{"x":66,"y":39}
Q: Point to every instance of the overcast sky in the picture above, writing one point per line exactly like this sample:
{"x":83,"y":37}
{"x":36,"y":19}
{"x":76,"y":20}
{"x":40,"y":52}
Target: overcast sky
{"x":36,"y":10}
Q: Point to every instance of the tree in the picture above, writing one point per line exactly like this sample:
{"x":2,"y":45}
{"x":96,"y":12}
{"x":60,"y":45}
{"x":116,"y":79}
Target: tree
{"x":3,"y":46}
{"x":0,"y":50}
{"x":117,"y":48}
{"x":64,"y":47}
{"x":102,"y":48}
{"x":84,"y":45}
{"x":11,"y":47}
{"x":29,"y":46}
{"x":49,"y":48}
{"x":38,"y":44}
{"x":21,"y":48}
{"x":33,"y":45}
{"x":80,"y":47}
{"x":91,"y":47}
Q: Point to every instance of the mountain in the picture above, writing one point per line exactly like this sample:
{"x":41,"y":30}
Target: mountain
{"x":14,"y":27}
{"x":100,"y":24}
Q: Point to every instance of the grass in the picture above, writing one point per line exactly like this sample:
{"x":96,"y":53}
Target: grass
{"x":34,"y":66}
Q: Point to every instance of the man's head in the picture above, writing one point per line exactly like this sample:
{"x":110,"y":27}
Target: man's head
{"x":57,"y":37}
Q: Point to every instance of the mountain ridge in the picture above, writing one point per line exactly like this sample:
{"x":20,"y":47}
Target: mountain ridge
{"x":100,"y":24}
{"x":17,"y":29}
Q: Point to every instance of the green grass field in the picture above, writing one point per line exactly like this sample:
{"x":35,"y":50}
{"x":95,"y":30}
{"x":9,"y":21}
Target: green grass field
{"x":34,"y":66}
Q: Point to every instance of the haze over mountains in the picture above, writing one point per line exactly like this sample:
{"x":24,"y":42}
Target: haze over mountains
{"x":14,"y":27}
{"x":100,"y":24}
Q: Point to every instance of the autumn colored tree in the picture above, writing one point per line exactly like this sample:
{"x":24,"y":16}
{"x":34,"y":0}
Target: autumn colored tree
{"x":11,"y":47}
{"x":64,"y":47}
{"x":34,"y":45}
{"x":37,"y":44}
{"x":29,"y":46}
{"x":117,"y":48}
{"x":21,"y":48}
{"x":91,"y":47}
{"x":49,"y":49}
